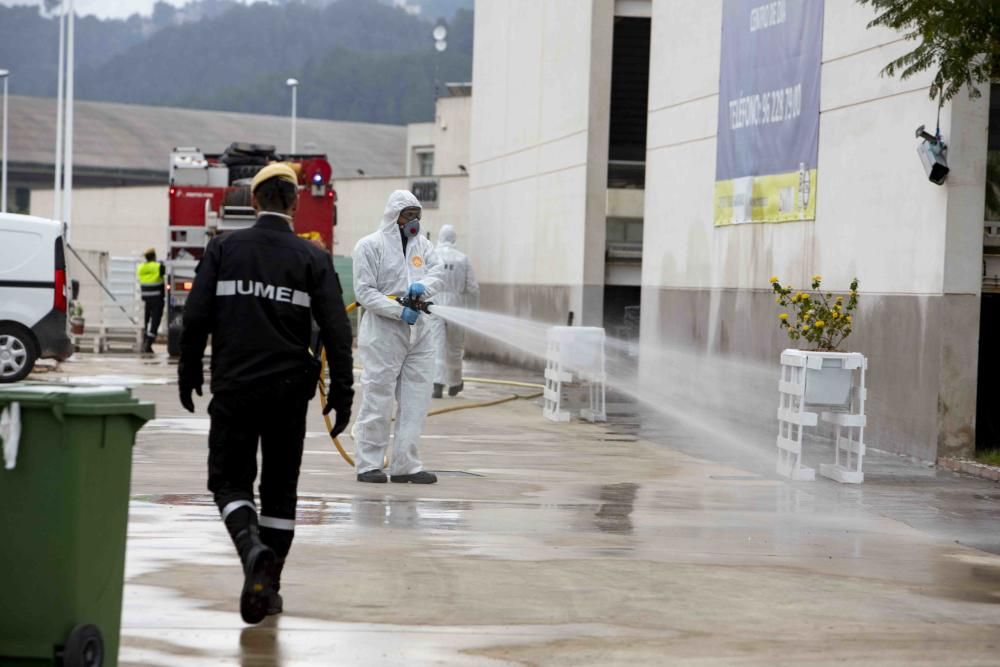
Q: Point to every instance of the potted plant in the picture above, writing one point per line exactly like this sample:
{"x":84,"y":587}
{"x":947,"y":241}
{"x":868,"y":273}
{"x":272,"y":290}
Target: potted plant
{"x":823,"y":320}
{"x":76,"y":321}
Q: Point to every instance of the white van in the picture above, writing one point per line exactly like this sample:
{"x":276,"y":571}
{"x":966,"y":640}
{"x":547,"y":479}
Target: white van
{"x":33,"y":294}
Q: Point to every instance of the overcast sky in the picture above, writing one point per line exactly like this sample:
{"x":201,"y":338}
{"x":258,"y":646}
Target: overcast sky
{"x":120,"y":9}
{"x":104,"y":8}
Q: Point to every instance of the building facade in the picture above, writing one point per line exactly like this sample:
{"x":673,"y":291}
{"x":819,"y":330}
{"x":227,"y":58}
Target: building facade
{"x":584,"y":205}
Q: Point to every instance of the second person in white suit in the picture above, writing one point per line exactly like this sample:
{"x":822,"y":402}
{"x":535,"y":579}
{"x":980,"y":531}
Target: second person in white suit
{"x":459,"y":289}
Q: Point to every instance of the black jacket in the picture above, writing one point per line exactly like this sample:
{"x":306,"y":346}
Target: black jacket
{"x":257,"y":292}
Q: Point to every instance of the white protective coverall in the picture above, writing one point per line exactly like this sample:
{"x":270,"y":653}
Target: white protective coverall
{"x":459,"y":289}
{"x":398,"y":358}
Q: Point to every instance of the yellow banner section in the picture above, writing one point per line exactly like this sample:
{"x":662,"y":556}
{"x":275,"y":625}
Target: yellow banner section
{"x":784,"y":197}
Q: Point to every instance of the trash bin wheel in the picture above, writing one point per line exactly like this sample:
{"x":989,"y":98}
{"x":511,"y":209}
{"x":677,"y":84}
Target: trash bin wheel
{"x":84,"y":647}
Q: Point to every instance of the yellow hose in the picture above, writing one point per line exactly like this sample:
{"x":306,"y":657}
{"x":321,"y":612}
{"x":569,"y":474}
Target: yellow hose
{"x":326,"y":417}
{"x":509,"y":383}
{"x":439,"y":411}
{"x":483,"y":404}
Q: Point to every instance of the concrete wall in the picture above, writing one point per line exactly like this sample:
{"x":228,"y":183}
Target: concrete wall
{"x":626,"y":203}
{"x":448,"y":135}
{"x":120,"y":221}
{"x":915,"y":247}
{"x":538,"y":155}
{"x":451,"y":134}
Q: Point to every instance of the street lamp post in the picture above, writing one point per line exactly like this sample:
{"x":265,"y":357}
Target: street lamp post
{"x":4,"y":74}
{"x":67,"y":192}
{"x":60,"y":111}
{"x":294,"y":85}
{"x":439,"y":33}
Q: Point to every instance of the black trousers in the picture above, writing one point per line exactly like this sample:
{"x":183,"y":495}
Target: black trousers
{"x":272,"y":414}
{"x":153,"y":315}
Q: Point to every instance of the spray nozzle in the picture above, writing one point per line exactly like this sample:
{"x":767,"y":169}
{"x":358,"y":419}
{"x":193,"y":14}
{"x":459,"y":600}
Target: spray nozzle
{"x":416,"y":303}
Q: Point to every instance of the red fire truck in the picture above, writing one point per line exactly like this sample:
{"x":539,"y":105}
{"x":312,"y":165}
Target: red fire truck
{"x":210,"y":195}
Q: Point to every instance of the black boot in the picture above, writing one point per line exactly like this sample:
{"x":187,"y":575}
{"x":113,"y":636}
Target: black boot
{"x":275,"y":604}
{"x":453,"y":391}
{"x":421,"y":477}
{"x":258,"y":568}
{"x":373,"y":476}
{"x":280,"y":541}
{"x":438,"y":390}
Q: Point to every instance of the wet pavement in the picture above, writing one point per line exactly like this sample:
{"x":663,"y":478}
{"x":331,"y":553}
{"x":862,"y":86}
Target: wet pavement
{"x":560,"y":544}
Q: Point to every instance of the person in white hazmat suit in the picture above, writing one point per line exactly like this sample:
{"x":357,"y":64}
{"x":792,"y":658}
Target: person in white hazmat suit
{"x":459,"y":289}
{"x":395,"y":344}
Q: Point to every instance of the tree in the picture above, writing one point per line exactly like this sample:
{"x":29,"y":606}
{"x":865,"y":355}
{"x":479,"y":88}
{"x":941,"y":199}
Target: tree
{"x":961,"y":38}
{"x":164,"y":14}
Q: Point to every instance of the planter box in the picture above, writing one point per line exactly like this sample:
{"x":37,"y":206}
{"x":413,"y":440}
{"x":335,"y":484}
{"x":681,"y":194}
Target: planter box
{"x":830,"y":384}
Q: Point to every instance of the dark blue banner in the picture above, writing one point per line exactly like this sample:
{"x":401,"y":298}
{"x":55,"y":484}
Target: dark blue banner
{"x":768,"y":123}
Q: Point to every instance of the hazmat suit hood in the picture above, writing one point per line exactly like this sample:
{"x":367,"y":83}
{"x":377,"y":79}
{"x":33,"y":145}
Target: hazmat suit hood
{"x":397,"y":201}
{"x":447,"y":236}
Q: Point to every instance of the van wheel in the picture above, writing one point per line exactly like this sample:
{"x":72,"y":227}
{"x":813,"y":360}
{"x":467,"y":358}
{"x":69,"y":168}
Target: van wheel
{"x":17,"y":353}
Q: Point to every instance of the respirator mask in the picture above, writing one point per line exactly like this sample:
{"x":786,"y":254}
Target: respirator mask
{"x":411,"y":229}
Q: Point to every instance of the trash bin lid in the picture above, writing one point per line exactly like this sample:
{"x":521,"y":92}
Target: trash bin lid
{"x":77,"y":399}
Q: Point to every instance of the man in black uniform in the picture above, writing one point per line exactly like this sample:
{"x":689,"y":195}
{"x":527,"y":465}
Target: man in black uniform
{"x":256,"y":292}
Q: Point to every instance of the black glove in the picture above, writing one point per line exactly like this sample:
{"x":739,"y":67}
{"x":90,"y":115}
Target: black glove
{"x":343,"y":409}
{"x":185,"y":390}
{"x":190,"y":377}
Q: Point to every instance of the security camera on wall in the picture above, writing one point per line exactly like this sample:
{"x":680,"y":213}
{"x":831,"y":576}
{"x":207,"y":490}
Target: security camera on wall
{"x":933,"y":154}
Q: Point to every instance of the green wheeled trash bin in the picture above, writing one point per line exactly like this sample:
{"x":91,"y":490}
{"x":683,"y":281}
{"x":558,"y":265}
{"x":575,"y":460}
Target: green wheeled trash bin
{"x":63,"y":516}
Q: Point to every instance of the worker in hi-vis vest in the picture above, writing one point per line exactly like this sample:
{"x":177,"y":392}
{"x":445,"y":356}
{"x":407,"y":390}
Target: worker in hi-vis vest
{"x":150,"y":275}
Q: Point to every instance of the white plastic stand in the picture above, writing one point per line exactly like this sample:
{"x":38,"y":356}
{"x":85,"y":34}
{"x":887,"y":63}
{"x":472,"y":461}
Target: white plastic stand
{"x":113,"y":329}
{"x":575,"y":354}
{"x":827,"y":386}
{"x":792,"y":418}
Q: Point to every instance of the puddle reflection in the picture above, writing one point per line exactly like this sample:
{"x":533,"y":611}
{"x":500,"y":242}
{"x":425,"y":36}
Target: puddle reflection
{"x":618,"y":502}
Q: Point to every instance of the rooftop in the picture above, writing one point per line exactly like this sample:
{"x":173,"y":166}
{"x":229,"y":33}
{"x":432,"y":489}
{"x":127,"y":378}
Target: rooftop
{"x":131,"y":144}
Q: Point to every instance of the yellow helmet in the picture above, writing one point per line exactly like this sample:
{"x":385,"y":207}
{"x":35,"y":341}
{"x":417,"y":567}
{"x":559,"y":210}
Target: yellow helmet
{"x":281,"y":170}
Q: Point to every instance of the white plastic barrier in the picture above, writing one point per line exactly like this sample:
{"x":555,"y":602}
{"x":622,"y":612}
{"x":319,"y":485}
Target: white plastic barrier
{"x":827,"y":386}
{"x":575,"y":354}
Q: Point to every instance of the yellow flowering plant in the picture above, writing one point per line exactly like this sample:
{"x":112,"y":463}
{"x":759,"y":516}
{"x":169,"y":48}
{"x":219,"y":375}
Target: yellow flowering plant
{"x":823,"y":319}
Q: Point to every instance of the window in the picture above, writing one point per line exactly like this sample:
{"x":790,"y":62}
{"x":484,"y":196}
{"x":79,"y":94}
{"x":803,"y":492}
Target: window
{"x":629,"y":90}
{"x":21,"y":201}
{"x":425,"y":162}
